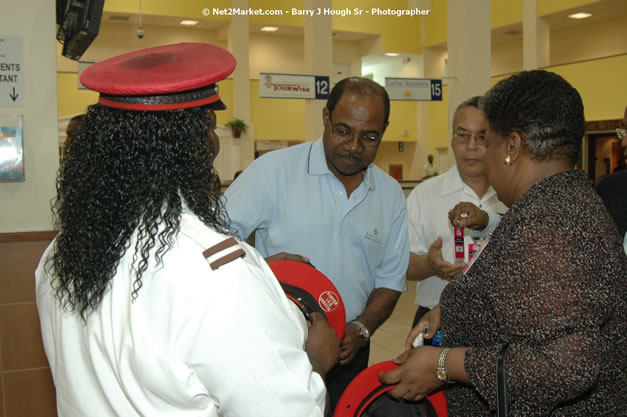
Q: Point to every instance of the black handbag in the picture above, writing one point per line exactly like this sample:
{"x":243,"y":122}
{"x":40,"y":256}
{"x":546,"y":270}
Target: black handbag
{"x":501,"y":383}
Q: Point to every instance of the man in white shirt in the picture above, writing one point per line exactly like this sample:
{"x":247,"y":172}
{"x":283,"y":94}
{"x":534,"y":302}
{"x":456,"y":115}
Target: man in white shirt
{"x":465,"y":191}
{"x":429,"y":169}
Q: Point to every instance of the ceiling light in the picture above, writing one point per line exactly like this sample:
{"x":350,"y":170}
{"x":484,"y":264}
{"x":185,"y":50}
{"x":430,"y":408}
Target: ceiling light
{"x":188,"y":22}
{"x":391,"y":54}
{"x":579,"y":15}
{"x":269,"y":29}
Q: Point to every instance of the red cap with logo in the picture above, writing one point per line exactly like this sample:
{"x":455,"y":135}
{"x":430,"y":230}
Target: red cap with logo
{"x":312,"y":292}
{"x":165,"y":77}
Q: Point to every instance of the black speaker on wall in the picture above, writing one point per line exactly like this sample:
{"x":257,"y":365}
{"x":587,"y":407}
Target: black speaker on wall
{"x":78,"y":25}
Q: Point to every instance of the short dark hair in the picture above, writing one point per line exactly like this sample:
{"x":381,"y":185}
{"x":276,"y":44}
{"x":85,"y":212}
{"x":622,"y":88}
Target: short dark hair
{"x":544,"y":109}
{"x":360,"y":85}
{"x":475,"y":102}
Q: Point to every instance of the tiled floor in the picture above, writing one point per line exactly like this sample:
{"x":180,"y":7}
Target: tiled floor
{"x":389,"y":339}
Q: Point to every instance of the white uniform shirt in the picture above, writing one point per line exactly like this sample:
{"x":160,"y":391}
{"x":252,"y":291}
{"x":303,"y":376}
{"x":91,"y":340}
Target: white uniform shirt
{"x":195,"y":342}
{"x":427,"y":207}
{"x":429,"y":169}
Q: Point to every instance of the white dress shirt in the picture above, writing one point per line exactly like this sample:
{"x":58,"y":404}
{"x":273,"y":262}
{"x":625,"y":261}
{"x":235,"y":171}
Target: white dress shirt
{"x":195,"y":341}
{"x":427,"y":207}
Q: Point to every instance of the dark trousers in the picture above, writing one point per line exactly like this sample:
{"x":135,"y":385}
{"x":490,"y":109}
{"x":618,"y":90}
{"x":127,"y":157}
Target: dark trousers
{"x":421,"y":311}
{"x":340,"y":376}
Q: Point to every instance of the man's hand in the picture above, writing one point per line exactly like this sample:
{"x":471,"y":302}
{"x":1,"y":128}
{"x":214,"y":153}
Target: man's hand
{"x":468,"y":215}
{"x":415,"y":378}
{"x":323,"y":346}
{"x":351,"y":343}
{"x":284,"y":256}
{"x":431,"y":321}
{"x":438,"y":265}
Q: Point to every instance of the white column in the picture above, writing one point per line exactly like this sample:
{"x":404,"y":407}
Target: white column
{"x":318,"y":60}
{"x":469,"y":52}
{"x":25,"y":205}
{"x":536,"y":37}
{"x":238,"y":45}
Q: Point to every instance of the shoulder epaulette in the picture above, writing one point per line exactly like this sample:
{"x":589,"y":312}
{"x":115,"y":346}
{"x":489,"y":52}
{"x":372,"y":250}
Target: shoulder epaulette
{"x":222,"y":253}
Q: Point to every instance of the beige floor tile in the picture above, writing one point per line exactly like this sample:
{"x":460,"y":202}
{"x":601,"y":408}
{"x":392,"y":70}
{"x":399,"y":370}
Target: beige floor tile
{"x":389,"y":339}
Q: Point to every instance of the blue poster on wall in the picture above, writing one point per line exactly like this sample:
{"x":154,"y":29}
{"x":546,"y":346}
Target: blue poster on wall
{"x":11,"y":148}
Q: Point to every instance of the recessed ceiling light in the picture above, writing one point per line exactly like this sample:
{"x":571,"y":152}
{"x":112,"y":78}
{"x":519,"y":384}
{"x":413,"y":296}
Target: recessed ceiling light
{"x":391,"y":54}
{"x":188,"y":22}
{"x":579,"y":15}
{"x":269,"y":28}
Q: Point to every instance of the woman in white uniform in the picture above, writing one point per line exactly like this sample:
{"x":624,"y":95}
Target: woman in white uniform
{"x":148,"y":304}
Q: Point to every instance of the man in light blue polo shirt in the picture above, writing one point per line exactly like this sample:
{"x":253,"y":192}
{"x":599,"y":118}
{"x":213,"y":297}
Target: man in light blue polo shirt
{"x":327,"y":203}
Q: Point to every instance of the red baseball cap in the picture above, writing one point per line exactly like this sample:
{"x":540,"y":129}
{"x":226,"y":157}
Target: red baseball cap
{"x":364,"y":397}
{"x":165,"y":77}
{"x":312,"y":292}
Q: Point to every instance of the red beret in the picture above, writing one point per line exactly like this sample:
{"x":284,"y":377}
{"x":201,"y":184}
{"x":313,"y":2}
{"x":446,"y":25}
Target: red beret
{"x":312,"y":292}
{"x":166,"y":77}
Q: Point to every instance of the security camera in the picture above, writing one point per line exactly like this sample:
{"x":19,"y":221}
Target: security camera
{"x":140,"y":33}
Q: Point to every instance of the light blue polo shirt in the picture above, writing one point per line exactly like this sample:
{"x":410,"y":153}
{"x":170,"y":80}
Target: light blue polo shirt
{"x":296,"y":205}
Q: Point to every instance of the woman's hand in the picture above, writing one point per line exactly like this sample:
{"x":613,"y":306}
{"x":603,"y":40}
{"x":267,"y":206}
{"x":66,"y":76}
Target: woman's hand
{"x":416,"y":376}
{"x":430,"y":321}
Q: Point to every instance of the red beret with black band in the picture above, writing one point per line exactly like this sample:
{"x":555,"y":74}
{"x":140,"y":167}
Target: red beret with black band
{"x":165,"y":77}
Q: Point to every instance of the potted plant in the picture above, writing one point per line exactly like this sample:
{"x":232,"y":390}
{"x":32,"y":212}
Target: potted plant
{"x":238,"y":126}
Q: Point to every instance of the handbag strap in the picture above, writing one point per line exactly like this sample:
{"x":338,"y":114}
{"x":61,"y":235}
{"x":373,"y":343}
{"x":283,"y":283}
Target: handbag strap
{"x":501,"y":383}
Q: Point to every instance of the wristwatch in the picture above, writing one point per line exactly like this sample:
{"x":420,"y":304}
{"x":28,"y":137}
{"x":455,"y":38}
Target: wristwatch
{"x":363,"y":330}
{"x":440,"y":372}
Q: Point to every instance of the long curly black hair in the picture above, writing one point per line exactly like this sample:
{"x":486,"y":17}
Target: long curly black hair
{"x":129,"y":172}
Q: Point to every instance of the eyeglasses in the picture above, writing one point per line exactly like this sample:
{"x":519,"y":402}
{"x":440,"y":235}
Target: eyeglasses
{"x":343,"y":135}
{"x":463,"y":138}
{"x":621,"y":133}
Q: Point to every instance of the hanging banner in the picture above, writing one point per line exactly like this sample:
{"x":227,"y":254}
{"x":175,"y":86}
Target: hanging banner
{"x":414,"y":89}
{"x":274,"y":85}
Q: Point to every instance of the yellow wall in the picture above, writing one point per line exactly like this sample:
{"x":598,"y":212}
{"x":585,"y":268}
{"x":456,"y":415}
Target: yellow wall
{"x":226,"y":95}
{"x":286,"y":19}
{"x":436,"y":24}
{"x":400,"y":33}
{"x":546,"y":7}
{"x":186,"y":8}
{"x":402,"y":118}
{"x":505,"y":12}
{"x":600,"y":82}
{"x":70,"y":99}
{"x":276,"y":118}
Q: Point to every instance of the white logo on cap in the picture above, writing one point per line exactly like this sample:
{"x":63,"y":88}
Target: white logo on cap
{"x":329,"y":301}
